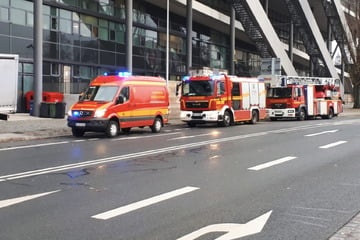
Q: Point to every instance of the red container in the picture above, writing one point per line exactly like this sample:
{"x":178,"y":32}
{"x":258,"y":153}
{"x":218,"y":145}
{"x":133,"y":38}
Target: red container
{"x":49,"y":97}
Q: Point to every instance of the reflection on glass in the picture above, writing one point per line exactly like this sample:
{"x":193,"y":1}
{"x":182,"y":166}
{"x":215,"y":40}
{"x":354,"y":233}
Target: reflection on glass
{"x":100,"y":93}
{"x":198,"y":88}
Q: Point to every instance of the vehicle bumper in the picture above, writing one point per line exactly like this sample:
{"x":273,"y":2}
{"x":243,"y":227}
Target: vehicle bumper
{"x":95,"y":125}
{"x":200,"y":116}
{"x":281,"y":113}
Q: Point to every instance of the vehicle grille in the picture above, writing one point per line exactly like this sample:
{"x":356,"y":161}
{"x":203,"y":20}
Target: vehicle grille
{"x":197,"y":104}
{"x":278,"y":105}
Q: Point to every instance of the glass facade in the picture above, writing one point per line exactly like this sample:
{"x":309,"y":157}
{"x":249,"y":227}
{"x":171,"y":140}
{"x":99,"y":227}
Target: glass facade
{"x":85,"y":38}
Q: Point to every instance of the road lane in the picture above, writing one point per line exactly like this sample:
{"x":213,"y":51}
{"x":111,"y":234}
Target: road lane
{"x":310,"y":196}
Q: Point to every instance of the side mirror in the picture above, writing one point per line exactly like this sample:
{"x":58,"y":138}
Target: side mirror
{"x":120,"y":100}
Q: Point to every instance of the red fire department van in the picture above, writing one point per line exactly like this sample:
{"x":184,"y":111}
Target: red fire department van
{"x":120,"y":101}
{"x":222,"y":99}
{"x":302,"y":97}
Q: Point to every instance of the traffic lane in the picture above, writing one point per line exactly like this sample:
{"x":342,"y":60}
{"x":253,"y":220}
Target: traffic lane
{"x":41,"y":154}
{"x":211,"y":178}
{"x":258,"y":142}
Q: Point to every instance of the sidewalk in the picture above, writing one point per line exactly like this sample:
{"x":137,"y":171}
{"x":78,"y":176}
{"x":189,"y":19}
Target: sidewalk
{"x":22,"y":126}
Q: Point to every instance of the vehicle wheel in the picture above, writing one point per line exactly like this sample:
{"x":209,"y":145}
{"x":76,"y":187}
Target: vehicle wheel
{"x":273,"y":119}
{"x":331,"y":114}
{"x":302,"y":115}
{"x":254,"y":117}
{"x":112,"y":129}
{"x":126,"y":130}
{"x":191,"y":124}
{"x":156,"y":127}
{"x":76,"y":132}
{"x":226,"y":119}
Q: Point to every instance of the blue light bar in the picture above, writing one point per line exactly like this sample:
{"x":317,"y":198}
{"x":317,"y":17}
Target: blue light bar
{"x":186,"y":78}
{"x":106,"y":74}
{"x":124,"y":74}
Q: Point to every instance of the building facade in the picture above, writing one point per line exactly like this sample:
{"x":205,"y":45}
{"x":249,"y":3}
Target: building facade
{"x":85,"y":38}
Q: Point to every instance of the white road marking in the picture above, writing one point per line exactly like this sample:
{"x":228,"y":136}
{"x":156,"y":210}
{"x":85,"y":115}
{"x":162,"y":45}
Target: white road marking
{"x":320,"y":133}
{"x":33,"y":146}
{"x":144,"y":203}
{"x":141,"y":137}
{"x":232,"y":230}
{"x":272,"y":163}
{"x":333,"y":144}
{"x":192,"y":136}
{"x":9,"y":202}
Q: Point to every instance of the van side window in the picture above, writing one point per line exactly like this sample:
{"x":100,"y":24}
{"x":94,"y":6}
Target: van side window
{"x":125,"y":93}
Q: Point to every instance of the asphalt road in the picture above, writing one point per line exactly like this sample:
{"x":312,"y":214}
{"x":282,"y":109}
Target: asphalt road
{"x":273,"y":180}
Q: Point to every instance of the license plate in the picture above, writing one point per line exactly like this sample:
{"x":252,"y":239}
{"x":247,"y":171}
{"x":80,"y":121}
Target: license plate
{"x":197,"y":114}
{"x":80,"y":124}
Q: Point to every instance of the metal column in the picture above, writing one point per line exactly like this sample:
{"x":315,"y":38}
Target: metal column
{"x":232,"y":41}
{"x":38,"y":56}
{"x":129,"y":31}
{"x":189,"y":14}
{"x":291,"y":41}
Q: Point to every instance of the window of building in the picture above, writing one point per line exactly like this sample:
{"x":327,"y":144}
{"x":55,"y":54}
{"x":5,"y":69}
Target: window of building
{"x":54,"y":23}
{"x":29,"y":19}
{"x":4,"y":14}
{"x":17,"y":16}
{"x":22,"y":4}
{"x":65,"y":26}
{"x":55,"y":69}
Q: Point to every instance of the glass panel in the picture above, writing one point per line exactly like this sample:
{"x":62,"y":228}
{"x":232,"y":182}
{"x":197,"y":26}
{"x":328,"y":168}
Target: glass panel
{"x":76,"y":16}
{"x":65,"y":14}
{"x":4,"y":14}
{"x":22,"y":4}
{"x":5,"y":3}
{"x":30,"y":19}
{"x":103,"y":23}
{"x":76,"y":28}
{"x":17,"y":16}
{"x":46,"y":10}
{"x":103,"y":34}
{"x":85,"y":30}
{"x":65,"y":26}
{"x":4,"y":44}
{"x":28,"y":68}
{"x":46,"y":22}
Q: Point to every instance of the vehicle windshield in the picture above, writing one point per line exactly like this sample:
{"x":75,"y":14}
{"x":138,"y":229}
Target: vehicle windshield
{"x":198,"y":88}
{"x":279,"y":93}
{"x":100,"y":93}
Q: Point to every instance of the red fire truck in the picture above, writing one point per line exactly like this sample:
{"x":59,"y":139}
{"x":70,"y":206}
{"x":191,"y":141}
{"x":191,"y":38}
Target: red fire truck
{"x":302,"y":97}
{"x":222,"y":99}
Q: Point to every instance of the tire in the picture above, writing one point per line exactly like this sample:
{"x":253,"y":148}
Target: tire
{"x":76,"y":132}
{"x":331,"y":114}
{"x":302,"y":115}
{"x":112,"y":129}
{"x":254,"y":117}
{"x":157,"y":125}
{"x":226,"y":119}
{"x":191,"y":124}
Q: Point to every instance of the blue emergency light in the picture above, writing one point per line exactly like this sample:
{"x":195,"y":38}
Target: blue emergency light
{"x":76,"y":113}
{"x":124,"y":74}
{"x":186,"y":78}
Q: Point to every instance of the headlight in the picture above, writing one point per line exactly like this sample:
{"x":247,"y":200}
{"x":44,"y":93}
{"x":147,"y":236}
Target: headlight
{"x":100,"y":113}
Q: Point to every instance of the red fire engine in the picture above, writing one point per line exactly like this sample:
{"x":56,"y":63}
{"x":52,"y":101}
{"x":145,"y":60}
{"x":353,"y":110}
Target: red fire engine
{"x":302,"y":97}
{"x":222,"y":99}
